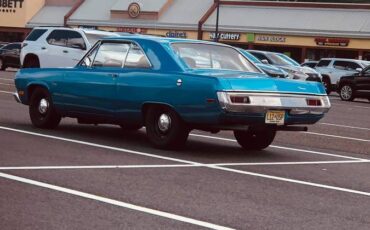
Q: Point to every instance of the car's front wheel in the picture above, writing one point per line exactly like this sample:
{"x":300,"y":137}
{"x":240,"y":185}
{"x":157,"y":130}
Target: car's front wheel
{"x":41,"y":109}
{"x":255,"y":138}
{"x":165,"y":129}
{"x":346,"y":93}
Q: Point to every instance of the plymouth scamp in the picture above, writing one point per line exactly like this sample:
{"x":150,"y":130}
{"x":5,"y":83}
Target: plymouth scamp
{"x":171,"y":86}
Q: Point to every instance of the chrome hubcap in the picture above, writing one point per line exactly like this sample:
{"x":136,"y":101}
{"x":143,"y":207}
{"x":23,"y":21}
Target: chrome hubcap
{"x":346,"y":92}
{"x":43,"y":106}
{"x":164,"y":123}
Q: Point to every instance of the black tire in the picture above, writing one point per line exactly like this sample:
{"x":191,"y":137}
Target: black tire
{"x":327,"y":85}
{"x":130,"y":128}
{"x":346,"y":92}
{"x":176,"y":134}
{"x":44,"y":117}
{"x":255,"y":139}
{"x":2,"y":65}
{"x":31,"y":62}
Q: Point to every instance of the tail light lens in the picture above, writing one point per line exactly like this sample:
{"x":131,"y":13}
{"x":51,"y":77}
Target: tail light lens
{"x":240,"y":99}
{"x":314,"y":102}
{"x":24,"y":45}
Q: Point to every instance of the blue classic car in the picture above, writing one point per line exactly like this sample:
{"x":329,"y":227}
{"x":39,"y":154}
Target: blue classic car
{"x":171,"y":86}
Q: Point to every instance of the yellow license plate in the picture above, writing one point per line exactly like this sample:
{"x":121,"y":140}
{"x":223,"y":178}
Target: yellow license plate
{"x":275,"y":117}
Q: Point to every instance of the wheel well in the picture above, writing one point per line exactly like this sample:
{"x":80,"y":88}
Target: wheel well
{"x":30,"y":57}
{"x":32,"y":89}
{"x":326,"y":77}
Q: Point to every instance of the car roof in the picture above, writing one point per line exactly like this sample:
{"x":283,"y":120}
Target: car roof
{"x":139,"y":37}
{"x":342,"y":59}
{"x":87,"y":31}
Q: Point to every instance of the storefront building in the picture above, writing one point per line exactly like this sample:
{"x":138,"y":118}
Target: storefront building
{"x":14,"y":15}
{"x":304,"y":31}
{"x":301,"y":30}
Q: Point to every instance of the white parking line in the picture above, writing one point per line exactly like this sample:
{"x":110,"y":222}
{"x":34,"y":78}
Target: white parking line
{"x":282,"y":147}
{"x":176,"y":165}
{"x":7,"y":79}
{"x":98,"y":167}
{"x":192,"y":162}
{"x":114,"y":202}
{"x":6,"y":92}
{"x":6,"y":84}
{"x":335,"y":136}
{"x":344,"y":126}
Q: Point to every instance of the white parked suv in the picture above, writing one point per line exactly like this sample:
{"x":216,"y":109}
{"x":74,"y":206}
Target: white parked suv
{"x":332,"y":69}
{"x":48,"y":47}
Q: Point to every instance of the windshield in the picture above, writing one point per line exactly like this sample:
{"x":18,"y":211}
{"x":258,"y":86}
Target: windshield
{"x":250,"y":57}
{"x":208,"y":56}
{"x":282,"y":59}
{"x":93,"y":38}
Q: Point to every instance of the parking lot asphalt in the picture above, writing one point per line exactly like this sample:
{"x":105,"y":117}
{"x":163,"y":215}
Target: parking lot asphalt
{"x":100,"y":177}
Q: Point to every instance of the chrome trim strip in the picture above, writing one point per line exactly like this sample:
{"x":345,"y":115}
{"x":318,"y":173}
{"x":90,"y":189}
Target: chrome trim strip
{"x":274,"y":93}
{"x":16,"y":97}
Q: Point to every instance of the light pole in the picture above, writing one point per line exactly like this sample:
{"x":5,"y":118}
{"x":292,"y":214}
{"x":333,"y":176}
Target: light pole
{"x":217,"y":19}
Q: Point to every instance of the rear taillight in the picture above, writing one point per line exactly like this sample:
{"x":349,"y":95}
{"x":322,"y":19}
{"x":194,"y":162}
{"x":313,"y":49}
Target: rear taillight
{"x":313,"y":102}
{"x":24,"y":45}
{"x":240,"y":99}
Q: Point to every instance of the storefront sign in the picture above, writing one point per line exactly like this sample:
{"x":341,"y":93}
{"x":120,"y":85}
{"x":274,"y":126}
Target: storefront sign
{"x":332,"y":41}
{"x":134,"y":10}
{"x":270,"y":38}
{"x":226,"y":36}
{"x":10,"y":6}
{"x":176,"y":34}
{"x":132,"y":30}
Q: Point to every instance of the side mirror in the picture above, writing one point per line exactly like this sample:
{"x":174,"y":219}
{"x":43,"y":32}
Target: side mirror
{"x":264,"y":61}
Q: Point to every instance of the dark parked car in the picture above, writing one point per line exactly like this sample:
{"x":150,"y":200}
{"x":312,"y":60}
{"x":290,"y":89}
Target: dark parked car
{"x":9,"y":56}
{"x":355,"y":86}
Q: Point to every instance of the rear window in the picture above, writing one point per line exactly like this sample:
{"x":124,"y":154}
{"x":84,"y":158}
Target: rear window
{"x":323,"y":63}
{"x":35,"y":34}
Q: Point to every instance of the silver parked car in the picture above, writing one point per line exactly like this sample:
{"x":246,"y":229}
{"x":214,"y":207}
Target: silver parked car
{"x":332,"y":69}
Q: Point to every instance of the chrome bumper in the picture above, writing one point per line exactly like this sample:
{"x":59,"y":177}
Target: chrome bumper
{"x":16,"y":97}
{"x":262,"y":102}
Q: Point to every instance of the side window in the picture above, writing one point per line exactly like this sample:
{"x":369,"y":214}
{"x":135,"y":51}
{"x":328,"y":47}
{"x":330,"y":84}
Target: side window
{"x":323,"y":63}
{"x":111,"y":55}
{"x":341,"y":65}
{"x":57,"y":38}
{"x":353,"y":66}
{"x":136,"y":58}
{"x":75,"y":40}
{"x":35,"y":34}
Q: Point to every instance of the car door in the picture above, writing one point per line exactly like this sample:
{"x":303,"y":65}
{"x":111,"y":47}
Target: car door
{"x":65,"y":49}
{"x":90,"y":88}
{"x":363,"y":83}
{"x":138,"y":82}
{"x":12,"y":57}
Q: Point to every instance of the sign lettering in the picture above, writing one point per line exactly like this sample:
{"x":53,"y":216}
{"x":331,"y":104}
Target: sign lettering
{"x":332,"y":41}
{"x":225,"y":36}
{"x":267,"y":38}
{"x":10,"y":5}
{"x":176,"y":34}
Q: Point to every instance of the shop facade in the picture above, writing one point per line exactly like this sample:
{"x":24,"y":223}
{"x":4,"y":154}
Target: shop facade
{"x":14,"y":15}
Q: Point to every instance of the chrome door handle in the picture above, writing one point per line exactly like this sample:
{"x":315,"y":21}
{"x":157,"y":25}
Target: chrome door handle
{"x":114,"y":75}
{"x":179,"y":82}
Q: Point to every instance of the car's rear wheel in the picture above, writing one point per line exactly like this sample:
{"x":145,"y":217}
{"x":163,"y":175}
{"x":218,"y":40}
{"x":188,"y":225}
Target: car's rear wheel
{"x":165,"y":129}
{"x":41,"y":109}
{"x":255,"y":138}
{"x":2,"y":64}
{"x":346,"y":93}
{"x":327,"y":85}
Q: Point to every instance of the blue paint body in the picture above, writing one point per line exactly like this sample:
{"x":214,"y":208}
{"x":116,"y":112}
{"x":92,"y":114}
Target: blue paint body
{"x":93,"y":93}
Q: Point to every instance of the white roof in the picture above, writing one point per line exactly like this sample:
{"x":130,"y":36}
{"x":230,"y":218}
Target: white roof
{"x":49,"y":16}
{"x":181,"y":14}
{"x":293,"y":20}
